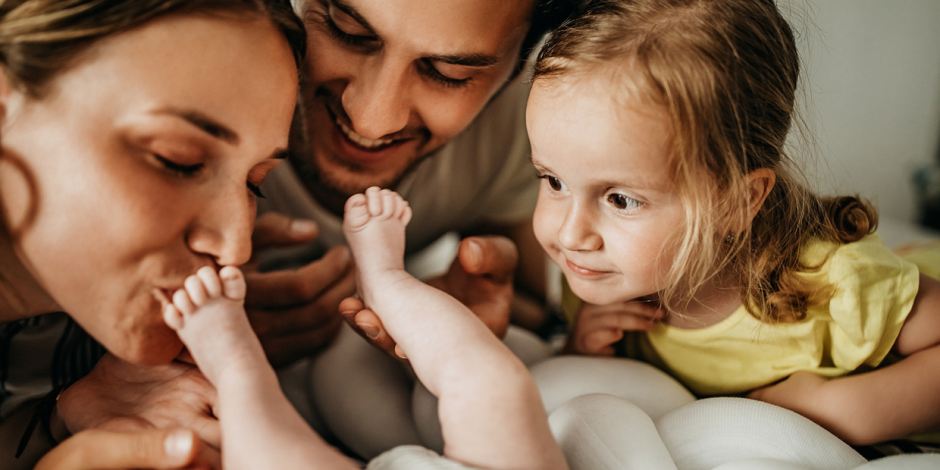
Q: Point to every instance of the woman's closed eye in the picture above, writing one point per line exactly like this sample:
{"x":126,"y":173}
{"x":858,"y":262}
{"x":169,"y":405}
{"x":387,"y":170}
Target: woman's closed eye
{"x":178,"y":168}
{"x":190,"y":170}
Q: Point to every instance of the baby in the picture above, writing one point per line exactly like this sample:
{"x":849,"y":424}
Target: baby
{"x":490,"y":410}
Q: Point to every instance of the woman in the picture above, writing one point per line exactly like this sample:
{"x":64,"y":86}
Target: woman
{"x":133,"y":138}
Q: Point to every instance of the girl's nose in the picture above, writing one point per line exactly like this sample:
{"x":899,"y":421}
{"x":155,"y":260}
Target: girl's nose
{"x":577,"y":231}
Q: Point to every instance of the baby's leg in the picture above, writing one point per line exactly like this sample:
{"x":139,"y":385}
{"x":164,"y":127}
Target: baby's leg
{"x":490,"y":410}
{"x":260,"y":429}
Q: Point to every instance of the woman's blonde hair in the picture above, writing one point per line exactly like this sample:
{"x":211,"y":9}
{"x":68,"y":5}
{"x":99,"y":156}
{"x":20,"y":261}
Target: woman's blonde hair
{"x":40,"y":39}
{"x":726,"y":72}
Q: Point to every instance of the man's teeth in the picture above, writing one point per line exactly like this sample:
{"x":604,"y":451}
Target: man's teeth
{"x":362,"y":141}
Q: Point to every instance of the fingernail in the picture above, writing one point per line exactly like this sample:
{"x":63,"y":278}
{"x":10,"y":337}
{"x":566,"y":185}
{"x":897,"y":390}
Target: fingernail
{"x":302,"y":227}
{"x":178,"y":444}
{"x":400,"y":352}
{"x":475,"y":250}
{"x":371,"y":331}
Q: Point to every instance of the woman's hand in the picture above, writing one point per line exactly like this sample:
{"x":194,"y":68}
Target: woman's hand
{"x":481,"y":277}
{"x":598,"y":327}
{"x":151,"y":448}
{"x":119,"y":396}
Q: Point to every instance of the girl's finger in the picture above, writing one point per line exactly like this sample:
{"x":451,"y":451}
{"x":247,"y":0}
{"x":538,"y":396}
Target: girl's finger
{"x":598,"y":342}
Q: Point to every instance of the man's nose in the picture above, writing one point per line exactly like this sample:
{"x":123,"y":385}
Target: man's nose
{"x":377,"y":101}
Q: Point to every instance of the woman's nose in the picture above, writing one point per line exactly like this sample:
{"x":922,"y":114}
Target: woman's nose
{"x":222,"y":230}
{"x":577,"y":231}
{"x":376,"y":99}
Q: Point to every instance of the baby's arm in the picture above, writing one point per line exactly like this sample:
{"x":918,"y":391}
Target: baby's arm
{"x":888,"y":403}
{"x":490,"y":409}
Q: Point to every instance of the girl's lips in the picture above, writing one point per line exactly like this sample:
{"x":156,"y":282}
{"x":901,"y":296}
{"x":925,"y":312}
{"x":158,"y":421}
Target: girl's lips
{"x":582,"y":270}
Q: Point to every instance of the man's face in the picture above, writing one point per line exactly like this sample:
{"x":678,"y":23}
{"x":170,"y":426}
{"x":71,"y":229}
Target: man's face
{"x":389,"y":81}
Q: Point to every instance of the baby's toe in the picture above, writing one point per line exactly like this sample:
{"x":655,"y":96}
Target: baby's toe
{"x":210,"y":281}
{"x":173,"y":317}
{"x":233,"y":283}
{"x":374,"y":203}
{"x":196,"y":290}
{"x":356,"y":211}
{"x":183,"y":303}
{"x":391,"y":204}
{"x":405,"y":216}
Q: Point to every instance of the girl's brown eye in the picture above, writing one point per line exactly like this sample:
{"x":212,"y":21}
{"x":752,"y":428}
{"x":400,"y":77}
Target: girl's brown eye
{"x":618,"y":200}
{"x":555,"y":183}
{"x":622,"y":202}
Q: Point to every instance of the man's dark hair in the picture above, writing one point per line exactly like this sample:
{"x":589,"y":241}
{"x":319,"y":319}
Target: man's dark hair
{"x":546,"y":16}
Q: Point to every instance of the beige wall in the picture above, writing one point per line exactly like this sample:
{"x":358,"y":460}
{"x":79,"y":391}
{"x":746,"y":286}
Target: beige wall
{"x":874,"y":69}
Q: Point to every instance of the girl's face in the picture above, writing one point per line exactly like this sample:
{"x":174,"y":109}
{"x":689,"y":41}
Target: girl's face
{"x":139,"y":167}
{"x":608,"y":212}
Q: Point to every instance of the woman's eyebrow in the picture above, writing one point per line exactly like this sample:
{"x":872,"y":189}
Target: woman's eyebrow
{"x":204,"y":123}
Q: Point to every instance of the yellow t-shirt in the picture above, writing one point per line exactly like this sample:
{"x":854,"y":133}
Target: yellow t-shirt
{"x":873,"y":292}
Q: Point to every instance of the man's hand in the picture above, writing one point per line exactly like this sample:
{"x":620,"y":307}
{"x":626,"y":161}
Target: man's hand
{"x":294,"y":312}
{"x":480,"y":277}
{"x":120,"y":396}
{"x":97,"y":449}
{"x":598,"y":327}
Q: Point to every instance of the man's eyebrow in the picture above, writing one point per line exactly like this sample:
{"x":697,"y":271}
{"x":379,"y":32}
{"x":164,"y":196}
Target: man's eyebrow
{"x":469,"y":60}
{"x":204,"y":123}
{"x":352,"y":12}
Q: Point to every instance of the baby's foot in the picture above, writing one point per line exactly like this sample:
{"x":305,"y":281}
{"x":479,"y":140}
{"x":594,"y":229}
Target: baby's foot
{"x":375,"y":229}
{"x":208,"y":314}
{"x":374,"y":225}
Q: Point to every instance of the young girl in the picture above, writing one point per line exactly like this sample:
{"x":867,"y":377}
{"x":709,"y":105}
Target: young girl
{"x":658,"y":127}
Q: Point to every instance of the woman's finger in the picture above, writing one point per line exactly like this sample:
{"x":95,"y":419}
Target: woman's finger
{"x":99,"y":449}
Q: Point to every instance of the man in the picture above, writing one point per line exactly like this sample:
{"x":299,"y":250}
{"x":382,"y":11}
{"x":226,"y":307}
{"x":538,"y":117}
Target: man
{"x":422,"y":96}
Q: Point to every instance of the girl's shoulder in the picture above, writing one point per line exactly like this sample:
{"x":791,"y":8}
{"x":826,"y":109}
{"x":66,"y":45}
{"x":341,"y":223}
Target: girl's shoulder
{"x":855,"y":265}
{"x":819,"y":252}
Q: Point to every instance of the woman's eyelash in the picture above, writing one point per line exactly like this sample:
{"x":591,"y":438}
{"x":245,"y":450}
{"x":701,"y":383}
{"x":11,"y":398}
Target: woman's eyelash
{"x":255,"y":190}
{"x":189,"y":170}
{"x":185,"y":170}
{"x":429,"y":71}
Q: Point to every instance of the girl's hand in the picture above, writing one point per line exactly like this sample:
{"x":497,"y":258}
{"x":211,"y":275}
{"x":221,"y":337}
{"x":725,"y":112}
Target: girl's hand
{"x":598,"y":327}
